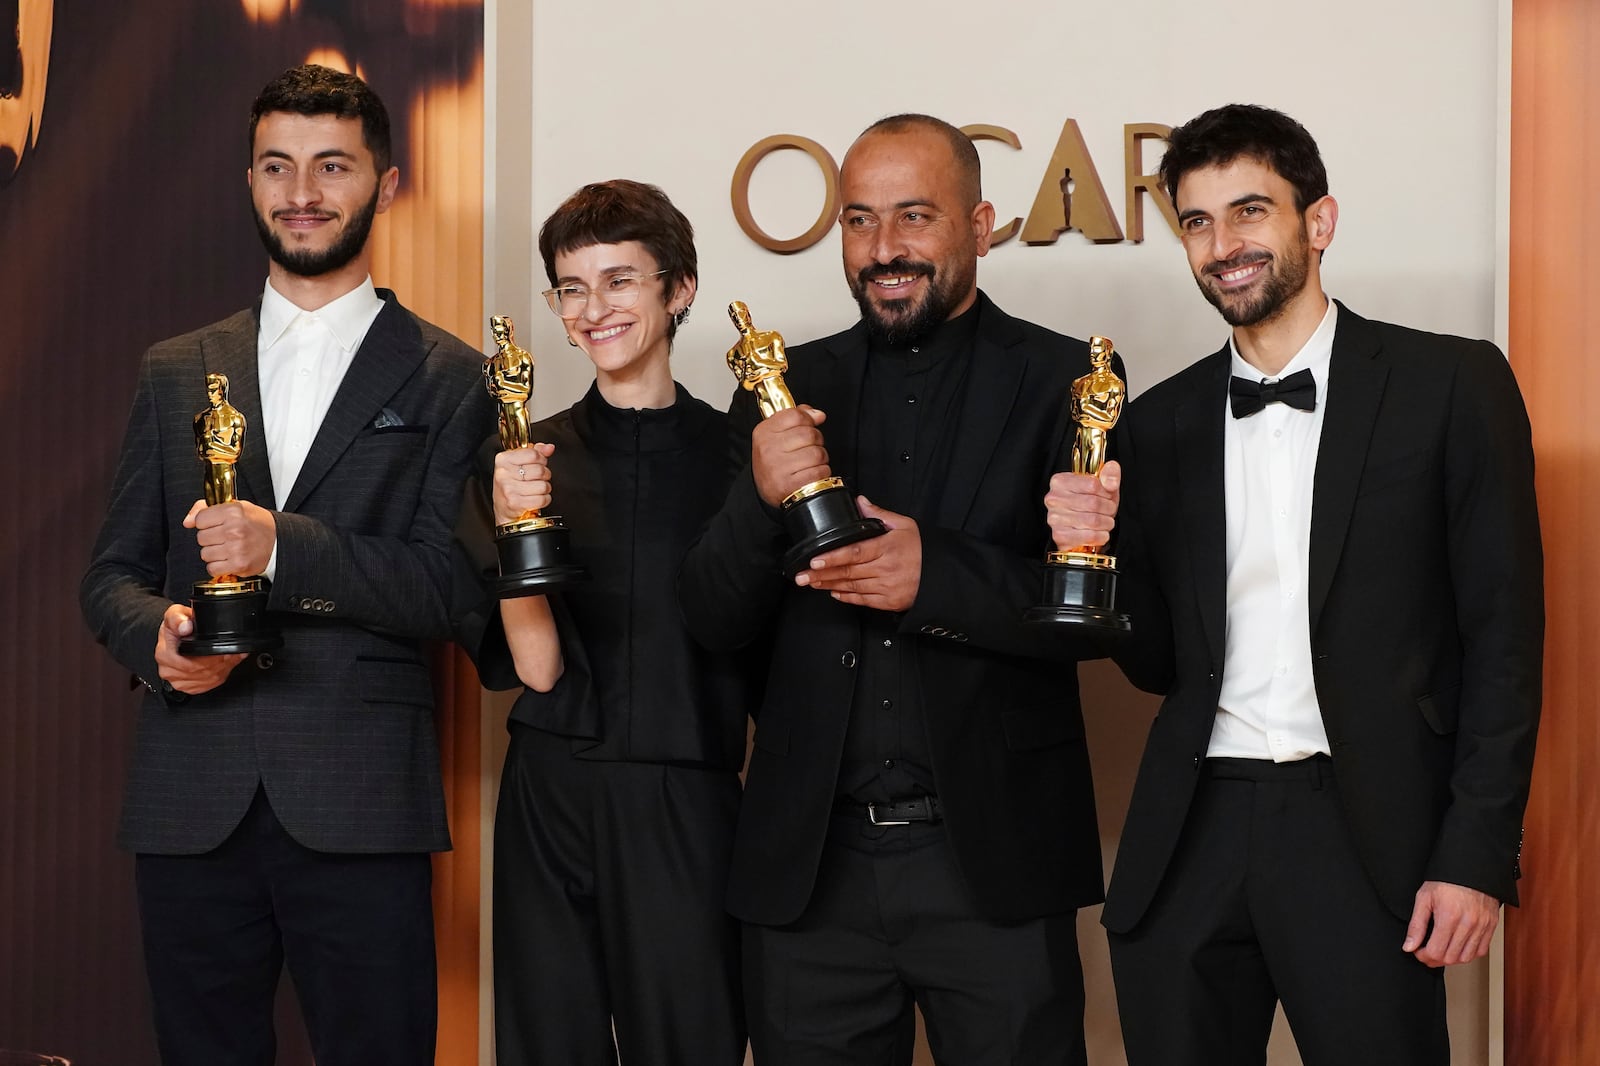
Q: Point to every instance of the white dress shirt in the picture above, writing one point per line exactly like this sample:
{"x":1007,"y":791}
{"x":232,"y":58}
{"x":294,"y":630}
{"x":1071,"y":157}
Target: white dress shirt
{"x":1268,"y":706}
{"x":301,"y":359}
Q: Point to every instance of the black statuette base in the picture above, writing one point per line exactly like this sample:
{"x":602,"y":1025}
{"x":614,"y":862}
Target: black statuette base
{"x":822,"y":522}
{"x":536,"y":562}
{"x":228,"y":623}
{"x":1080,"y":595}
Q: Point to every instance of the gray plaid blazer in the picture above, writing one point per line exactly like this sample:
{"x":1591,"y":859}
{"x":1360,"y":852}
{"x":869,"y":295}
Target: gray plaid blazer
{"x":337,"y":726}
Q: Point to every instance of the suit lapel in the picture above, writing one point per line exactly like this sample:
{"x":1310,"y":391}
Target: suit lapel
{"x":388,"y":356}
{"x":1202,"y":489}
{"x":232,"y":351}
{"x":992,"y":381}
{"x":1356,"y":379}
{"x":839,"y":396}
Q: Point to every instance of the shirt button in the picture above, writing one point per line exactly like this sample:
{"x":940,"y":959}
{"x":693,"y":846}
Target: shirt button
{"x":887,"y":704}
{"x":888,"y":643}
{"x":888,"y":764}
{"x":848,"y":660}
{"x":917,"y":351}
{"x":305,"y":371}
{"x":905,"y":457}
{"x":1277,"y":433}
{"x":911,"y":399}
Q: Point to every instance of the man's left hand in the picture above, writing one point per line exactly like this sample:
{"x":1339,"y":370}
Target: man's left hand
{"x":235,"y":538}
{"x":883,"y":573}
{"x":1463,"y":924}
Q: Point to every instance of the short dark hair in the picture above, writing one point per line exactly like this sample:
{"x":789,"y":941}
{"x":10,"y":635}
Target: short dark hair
{"x":962,"y":149}
{"x":310,"y":89}
{"x":611,"y":212}
{"x":1244,"y":131}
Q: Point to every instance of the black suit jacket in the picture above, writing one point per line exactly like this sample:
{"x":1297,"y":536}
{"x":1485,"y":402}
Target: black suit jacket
{"x":1425,"y":597}
{"x":1004,"y":726}
{"x":338,"y":724}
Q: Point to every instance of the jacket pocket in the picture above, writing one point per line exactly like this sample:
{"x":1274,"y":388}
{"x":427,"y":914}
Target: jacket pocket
{"x":1441,"y":709}
{"x":1036,"y":728}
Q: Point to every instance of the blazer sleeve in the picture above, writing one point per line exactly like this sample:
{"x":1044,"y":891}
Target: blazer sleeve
{"x":975,"y":592}
{"x":121,"y":592}
{"x":729,"y":583}
{"x":1147,"y":656}
{"x":1497,"y":567}
{"x":392,"y":584}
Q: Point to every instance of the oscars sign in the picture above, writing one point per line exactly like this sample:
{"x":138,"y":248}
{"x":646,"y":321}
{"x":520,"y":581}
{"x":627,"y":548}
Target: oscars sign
{"x":1071,"y":194}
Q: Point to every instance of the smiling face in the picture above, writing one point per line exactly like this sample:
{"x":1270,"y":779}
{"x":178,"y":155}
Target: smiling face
{"x":315,"y":189}
{"x":1254,"y":256}
{"x":626,"y":344}
{"x":911,"y":233}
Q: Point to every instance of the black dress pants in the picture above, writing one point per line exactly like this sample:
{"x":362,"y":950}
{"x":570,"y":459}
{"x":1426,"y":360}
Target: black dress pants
{"x":356,"y":932}
{"x":1266,"y":900}
{"x":889,"y":924}
{"x":608,"y":911}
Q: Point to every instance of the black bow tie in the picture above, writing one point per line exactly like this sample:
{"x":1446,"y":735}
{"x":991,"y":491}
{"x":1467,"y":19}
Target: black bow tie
{"x":1298,"y":390}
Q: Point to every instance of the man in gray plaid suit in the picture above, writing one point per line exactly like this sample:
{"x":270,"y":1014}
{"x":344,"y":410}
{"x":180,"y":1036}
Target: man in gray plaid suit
{"x":282,"y":805}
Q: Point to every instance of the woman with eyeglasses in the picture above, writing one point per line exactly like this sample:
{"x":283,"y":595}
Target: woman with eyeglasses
{"x":620,"y":790}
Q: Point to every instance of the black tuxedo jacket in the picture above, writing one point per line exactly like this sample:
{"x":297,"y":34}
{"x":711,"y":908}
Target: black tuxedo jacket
{"x":338,"y":724}
{"x":1425,"y":597}
{"x":1004,"y":726}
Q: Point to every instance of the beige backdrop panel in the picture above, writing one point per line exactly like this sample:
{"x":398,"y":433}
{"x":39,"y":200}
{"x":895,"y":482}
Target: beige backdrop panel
{"x":1401,"y":97}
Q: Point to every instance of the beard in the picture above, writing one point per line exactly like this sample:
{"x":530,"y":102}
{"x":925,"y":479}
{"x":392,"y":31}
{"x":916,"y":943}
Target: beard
{"x":1281,"y":281}
{"x":900,"y":323}
{"x":309,"y":263}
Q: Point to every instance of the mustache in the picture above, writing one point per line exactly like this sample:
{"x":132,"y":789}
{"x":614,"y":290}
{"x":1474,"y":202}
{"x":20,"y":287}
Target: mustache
{"x":896,"y":268}
{"x":1222,"y":267}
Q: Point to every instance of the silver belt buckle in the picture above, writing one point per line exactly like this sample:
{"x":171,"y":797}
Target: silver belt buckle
{"x":872,"y":816}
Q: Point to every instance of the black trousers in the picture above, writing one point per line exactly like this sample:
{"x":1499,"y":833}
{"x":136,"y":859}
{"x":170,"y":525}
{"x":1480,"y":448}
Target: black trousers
{"x":356,"y":932}
{"x":1266,"y":900}
{"x":890,"y":924}
{"x":608,"y":911}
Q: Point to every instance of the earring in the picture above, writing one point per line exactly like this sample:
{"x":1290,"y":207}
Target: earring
{"x":571,"y":341}
{"x":681,"y":317}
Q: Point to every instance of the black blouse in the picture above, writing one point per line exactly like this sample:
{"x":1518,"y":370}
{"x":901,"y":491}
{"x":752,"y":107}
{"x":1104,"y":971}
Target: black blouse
{"x":635,"y":487}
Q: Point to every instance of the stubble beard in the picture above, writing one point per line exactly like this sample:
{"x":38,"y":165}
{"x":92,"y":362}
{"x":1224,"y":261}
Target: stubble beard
{"x":1282,"y":280}
{"x":312,"y":263}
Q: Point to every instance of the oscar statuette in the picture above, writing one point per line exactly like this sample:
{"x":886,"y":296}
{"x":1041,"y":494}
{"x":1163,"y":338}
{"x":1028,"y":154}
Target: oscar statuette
{"x":1080,"y":583}
{"x":230,"y":610}
{"x":535,"y":550}
{"x":819,"y":516}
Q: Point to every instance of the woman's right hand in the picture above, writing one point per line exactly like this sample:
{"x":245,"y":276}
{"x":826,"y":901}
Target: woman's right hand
{"x":521,"y":482}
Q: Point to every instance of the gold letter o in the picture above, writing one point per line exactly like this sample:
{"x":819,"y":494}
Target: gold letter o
{"x":741,"y":192}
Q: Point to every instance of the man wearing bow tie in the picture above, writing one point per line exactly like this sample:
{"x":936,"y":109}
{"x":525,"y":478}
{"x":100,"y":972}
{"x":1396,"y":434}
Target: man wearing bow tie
{"x":1330,"y":550}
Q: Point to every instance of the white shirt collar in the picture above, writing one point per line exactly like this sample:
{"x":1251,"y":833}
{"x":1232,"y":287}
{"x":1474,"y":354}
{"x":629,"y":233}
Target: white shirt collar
{"x":1314,"y":355}
{"x":347,"y":318}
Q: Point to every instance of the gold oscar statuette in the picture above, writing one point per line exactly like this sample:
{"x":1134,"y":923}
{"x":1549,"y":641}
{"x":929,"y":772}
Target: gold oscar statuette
{"x":535,"y":550}
{"x":229,"y":609}
{"x":820,"y":515}
{"x":1080,"y":581}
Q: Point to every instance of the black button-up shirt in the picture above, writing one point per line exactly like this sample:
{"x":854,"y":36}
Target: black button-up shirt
{"x":910,"y":406}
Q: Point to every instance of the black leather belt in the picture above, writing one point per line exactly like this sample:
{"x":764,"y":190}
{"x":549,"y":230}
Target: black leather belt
{"x":894,"y":812}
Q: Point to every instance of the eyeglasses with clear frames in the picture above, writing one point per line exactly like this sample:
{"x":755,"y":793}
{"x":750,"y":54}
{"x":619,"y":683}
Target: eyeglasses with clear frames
{"x":619,"y":291}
